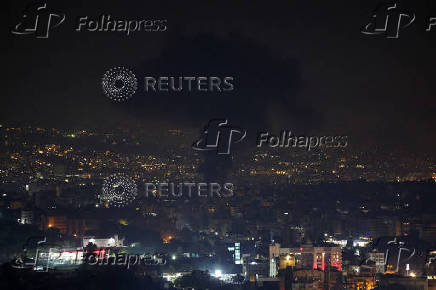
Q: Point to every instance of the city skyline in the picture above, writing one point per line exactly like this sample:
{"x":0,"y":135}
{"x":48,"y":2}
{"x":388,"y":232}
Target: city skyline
{"x":246,"y":145}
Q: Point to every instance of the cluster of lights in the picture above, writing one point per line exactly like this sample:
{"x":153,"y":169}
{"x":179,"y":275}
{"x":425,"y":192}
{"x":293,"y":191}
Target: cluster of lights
{"x":218,"y":273}
{"x":118,"y":190}
{"x":119,"y":84}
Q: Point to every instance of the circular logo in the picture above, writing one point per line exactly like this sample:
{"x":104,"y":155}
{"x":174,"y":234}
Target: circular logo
{"x":118,"y":190}
{"x":119,"y":84}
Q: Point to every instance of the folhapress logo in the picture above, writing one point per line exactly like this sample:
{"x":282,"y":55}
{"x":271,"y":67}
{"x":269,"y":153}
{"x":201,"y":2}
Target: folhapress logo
{"x":38,"y":20}
{"x":389,"y":20}
{"x":219,"y":136}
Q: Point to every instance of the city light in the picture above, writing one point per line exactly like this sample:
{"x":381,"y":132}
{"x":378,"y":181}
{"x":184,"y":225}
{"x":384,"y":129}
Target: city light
{"x":412,"y":274}
{"x":316,"y":170}
{"x":218,"y":273}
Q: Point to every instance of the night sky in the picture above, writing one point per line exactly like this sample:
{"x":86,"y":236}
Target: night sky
{"x":299,"y":65}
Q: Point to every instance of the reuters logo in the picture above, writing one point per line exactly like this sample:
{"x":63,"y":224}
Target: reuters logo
{"x":119,"y":84}
{"x":118,"y":190}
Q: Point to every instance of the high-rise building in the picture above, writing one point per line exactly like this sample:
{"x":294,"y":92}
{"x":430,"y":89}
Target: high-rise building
{"x":307,"y":256}
{"x":379,"y":260}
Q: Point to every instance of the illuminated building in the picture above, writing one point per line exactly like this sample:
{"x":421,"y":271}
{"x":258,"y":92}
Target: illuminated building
{"x":431,"y":268}
{"x":362,"y":242}
{"x":253,"y":269}
{"x":379,"y":260}
{"x":314,"y":279}
{"x":58,"y":222}
{"x":30,"y":217}
{"x":103,"y":243}
{"x":307,"y":256}
{"x":288,"y":261}
{"x":308,"y":279}
{"x":76,"y":227}
{"x":71,"y":226}
{"x":236,"y":253}
{"x":360,"y":282}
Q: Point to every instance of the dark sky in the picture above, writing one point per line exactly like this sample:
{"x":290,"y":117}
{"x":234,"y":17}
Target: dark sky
{"x":300,"y":65}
